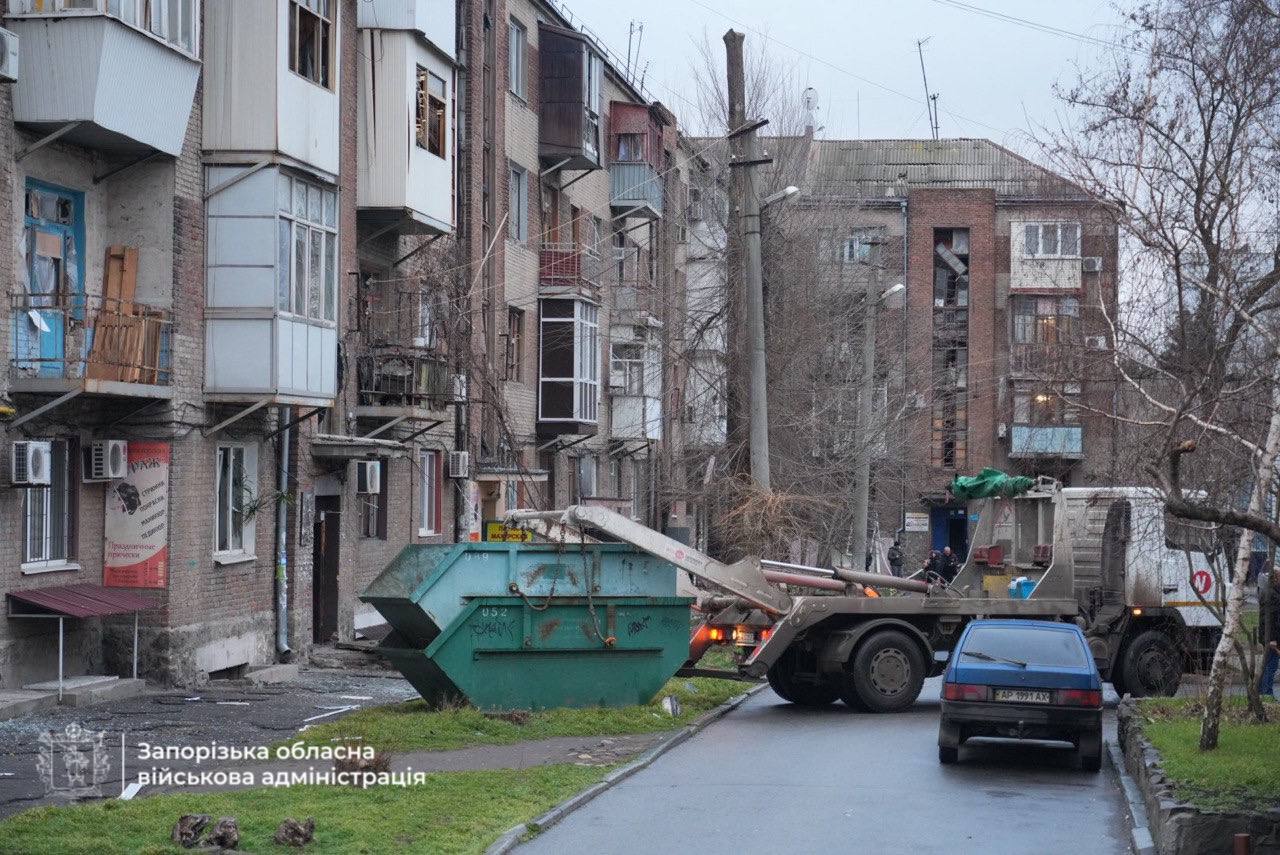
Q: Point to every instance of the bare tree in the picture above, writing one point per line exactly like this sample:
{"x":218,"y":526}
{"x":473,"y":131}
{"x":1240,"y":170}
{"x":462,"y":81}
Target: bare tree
{"x":1178,"y":135}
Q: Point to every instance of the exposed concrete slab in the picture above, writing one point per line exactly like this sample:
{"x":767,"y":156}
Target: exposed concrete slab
{"x":284,"y":672}
{"x":87,"y":681}
{"x":20,"y":702}
{"x":114,"y":690}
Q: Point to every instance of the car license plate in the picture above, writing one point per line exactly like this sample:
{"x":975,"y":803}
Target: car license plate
{"x":1022,"y":696}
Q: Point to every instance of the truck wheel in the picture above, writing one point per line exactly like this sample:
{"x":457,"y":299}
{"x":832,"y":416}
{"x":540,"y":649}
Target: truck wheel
{"x":885,"y":673}
{"x":1152,"y":665}
{"x":785,"y":683}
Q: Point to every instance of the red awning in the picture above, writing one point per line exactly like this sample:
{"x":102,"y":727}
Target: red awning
{"x":77,"y":601}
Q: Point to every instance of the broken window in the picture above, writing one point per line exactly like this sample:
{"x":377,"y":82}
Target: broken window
{"x":627,"y":368}
{"x":432,"y":106}
{"x":235,"y":480}
{"x":515,"y":344}
{"x":1049,"y":406}
{"x":1051,"y":240}
{"x":949,"y":417}
{"x":857,"y":247}
{"x":310,"y":40}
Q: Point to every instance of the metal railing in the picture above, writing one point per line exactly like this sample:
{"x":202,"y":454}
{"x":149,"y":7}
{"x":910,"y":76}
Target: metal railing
{"x":92,"y":338}
{"x":404,"y":377}
{"x":569,"y":265}
{"x":635,"y":185}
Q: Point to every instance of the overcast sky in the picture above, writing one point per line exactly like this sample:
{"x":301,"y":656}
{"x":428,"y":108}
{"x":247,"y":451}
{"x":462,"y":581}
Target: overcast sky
{"x":994,"y":78}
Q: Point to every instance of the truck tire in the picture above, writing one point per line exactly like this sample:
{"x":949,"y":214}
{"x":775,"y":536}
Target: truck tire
{"x":783,"y":680}
{"x":1152,"y":665}
{"x":884,"y":674}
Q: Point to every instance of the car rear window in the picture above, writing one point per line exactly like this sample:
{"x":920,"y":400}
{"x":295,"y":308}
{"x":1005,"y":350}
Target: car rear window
{"x":1050,"y":647}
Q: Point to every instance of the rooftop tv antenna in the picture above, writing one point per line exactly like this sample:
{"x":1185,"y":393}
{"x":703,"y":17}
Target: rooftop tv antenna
{"x":930,"y":98}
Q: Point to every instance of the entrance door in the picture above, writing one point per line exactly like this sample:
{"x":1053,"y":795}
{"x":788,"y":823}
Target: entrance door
{"x":950,"y":527}
{"x":324,"y":576}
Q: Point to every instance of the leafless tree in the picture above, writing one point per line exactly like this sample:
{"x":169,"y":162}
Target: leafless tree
{"x":1177,"y":133}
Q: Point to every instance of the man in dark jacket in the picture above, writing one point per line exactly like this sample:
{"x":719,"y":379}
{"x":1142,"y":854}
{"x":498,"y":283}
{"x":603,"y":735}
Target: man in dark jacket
{"x":1270,"y":616}
{"x":895,"y":558}
{"x":950,"y":566}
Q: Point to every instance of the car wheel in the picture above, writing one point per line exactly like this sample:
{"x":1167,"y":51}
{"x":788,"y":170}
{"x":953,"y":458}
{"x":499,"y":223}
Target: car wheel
{"x":1089,"y":750}
{"x":885,"y":673}
{"x":1152,"y":666}
{"x":784,"y":681}
{"x":947,"y":755}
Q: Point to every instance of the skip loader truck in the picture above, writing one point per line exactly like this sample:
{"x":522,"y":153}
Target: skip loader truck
{"x":1107,"y":558}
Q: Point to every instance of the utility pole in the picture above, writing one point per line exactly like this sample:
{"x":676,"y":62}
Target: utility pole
{"x":746,"y":200}
{"x":866,"y":393}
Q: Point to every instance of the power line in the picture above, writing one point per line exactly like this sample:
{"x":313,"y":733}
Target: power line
{"x":842,"y":70}
{"x":1029,"y":24}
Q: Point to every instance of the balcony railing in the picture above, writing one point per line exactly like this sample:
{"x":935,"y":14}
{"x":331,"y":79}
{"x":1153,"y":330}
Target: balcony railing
{"x":1066,"y":441}
{"x":404,"y":377}
{"x":1045,"y":360}
{"x":90,"y":338}
{"x":569,"y":265}
{"x":635,"y":189}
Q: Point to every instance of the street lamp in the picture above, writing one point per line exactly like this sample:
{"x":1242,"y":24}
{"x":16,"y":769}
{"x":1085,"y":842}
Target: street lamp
{"x":784,"y":193}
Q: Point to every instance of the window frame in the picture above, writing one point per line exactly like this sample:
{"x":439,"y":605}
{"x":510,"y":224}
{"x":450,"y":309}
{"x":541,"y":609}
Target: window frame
{"x":431,"y":113}
{"x":1041,"y":230}
{"x":67,"y":450}
{"x":247,"y":489}
{"x":324,"y":224}
{"x":430,"y":493}
{"x":515,"y":345}
{"x":325,"y":31}
{"x":517,"y":58}
{"x":585,"y":358}
{"x":149,"y":17}
{"x":517,"y":203}
{"x":373,"y":509}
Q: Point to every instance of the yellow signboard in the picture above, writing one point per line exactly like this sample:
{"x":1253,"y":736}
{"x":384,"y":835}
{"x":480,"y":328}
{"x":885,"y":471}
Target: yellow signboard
{"x":496,"y":532}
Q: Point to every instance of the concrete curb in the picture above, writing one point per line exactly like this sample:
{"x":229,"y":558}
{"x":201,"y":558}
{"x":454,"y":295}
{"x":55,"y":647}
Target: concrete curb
{"x":511,"y":839}
{"x":1140,"y":839}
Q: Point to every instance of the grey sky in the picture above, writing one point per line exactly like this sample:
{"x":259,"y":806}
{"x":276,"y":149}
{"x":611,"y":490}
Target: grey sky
{"x":994,"y":78}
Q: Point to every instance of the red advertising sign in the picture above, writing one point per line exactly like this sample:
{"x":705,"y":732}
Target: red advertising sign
{"x":1202,"y":581}
{"x":136,"y":553}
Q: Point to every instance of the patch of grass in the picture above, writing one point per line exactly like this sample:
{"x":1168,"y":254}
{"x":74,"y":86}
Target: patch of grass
{"x":414,"y":726}
{"x":1242,"y":773}
{"x":720,"y":657}
{"x":452,"y":812}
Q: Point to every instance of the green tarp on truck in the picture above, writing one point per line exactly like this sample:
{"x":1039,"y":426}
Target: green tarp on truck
{"x":990,"y":483}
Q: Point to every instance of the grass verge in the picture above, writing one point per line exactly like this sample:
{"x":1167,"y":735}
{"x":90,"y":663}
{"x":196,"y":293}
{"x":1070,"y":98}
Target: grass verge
{"x":1243,"y":773}
{"x":454,"y":812}
{"x":412,"y":726}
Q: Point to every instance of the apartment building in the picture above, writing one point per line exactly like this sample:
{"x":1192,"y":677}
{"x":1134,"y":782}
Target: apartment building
{"x":999,"y":353}
{"x":223,"y":345}
{"x":578,"y":299}
{"x":296,"y":283}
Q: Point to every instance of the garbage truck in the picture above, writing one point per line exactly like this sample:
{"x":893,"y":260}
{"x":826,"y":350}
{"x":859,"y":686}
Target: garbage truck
{"x":1140,"y":584}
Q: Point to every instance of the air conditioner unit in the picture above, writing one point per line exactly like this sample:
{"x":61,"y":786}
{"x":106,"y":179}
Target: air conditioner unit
{"x":368,"y":477}
{"x":106,"y":459}
{"x":30,"y":463}
{"x":459,"y":388}
{"x":8,"y":55}
{"x":459,"y":464}
{"x":1096,"y":342}
{"x":1091,"y":264}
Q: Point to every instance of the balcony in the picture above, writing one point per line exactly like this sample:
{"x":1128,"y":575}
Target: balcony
{"x":569,"y":269}
{"x":636,"y":417}
{"x":1062,"y":441}
{"x":96,"y":345}
{"x":635,"y":190}
{"x":569,"y":368}
{"x":1045,"y":360}
{"x":405,"y":132}
{"x":97,"y":81}
{"x":404,"y":379}
{"x":570,"y":75}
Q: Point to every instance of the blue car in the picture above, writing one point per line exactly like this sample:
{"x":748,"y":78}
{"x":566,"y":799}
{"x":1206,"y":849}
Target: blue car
{"x":1022,"y":679}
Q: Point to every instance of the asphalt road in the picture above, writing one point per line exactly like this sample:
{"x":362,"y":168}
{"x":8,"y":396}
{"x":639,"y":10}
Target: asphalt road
{"x":771,"y":778}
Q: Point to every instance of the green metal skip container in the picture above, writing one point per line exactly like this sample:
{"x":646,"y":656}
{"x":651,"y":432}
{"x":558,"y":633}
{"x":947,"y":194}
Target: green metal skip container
{"x":531,"y":626}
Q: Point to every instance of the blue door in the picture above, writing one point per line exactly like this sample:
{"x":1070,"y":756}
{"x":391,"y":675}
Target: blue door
{"x":949,"y":526}
{"x":54,"y":233}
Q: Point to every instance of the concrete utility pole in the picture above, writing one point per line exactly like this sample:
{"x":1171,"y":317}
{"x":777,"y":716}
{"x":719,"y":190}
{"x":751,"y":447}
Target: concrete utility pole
{"x":746,"y":200}
{"x":866,"y":392}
